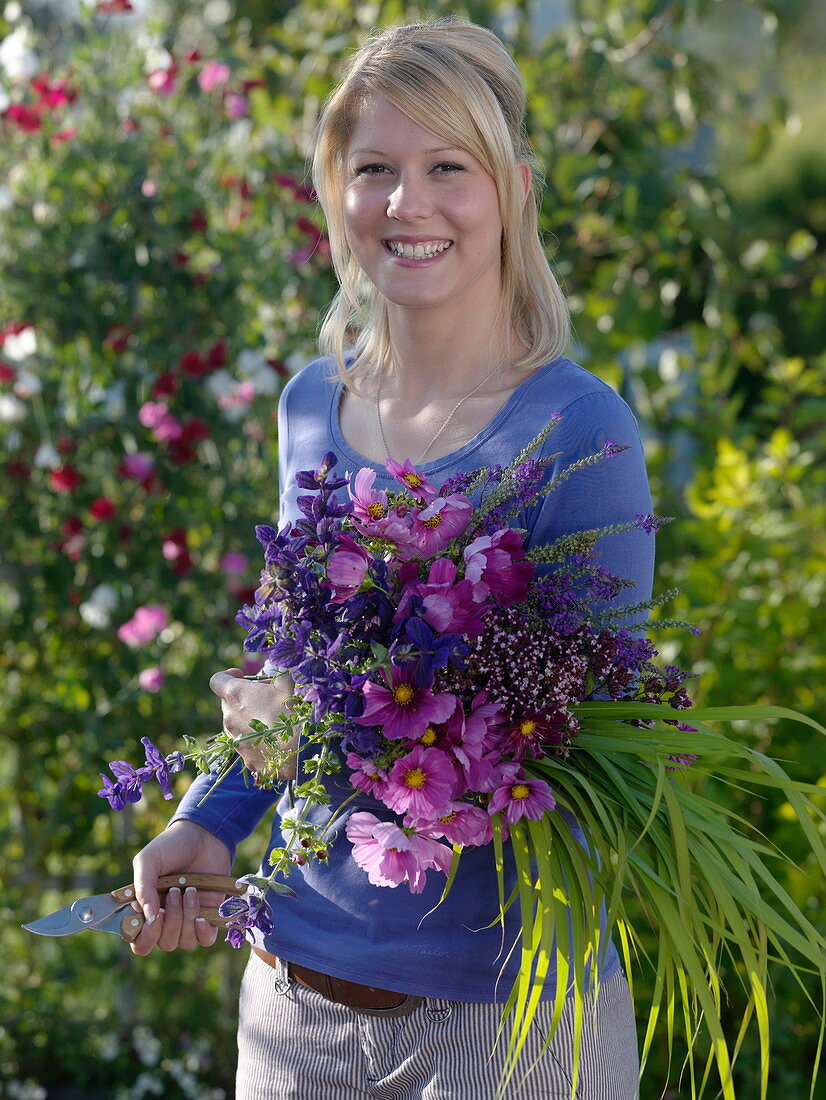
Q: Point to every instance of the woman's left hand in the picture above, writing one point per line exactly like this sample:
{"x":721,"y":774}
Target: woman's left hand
{"x":244,"y":701}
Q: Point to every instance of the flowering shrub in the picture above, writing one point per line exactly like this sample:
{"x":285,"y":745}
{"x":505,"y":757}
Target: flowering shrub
{"x":155,"y":290}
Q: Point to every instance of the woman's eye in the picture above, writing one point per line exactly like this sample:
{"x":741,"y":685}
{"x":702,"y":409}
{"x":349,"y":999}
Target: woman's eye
{"x":371,"y":170}
{"x":446,"y":166}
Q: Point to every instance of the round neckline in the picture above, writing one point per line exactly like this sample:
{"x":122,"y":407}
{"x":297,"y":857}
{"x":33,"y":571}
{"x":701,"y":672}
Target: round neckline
{"x":344,"y":449}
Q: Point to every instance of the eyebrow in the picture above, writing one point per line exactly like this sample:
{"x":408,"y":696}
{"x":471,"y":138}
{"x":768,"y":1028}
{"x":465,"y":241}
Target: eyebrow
{"x":427,"y":152}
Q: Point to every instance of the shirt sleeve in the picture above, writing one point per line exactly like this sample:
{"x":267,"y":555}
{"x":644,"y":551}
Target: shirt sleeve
{"x":231,"y":811}
{"x":613,"y":490}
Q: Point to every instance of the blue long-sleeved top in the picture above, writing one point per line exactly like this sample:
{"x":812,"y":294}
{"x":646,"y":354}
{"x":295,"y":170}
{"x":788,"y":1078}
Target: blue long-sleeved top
{"x":339,"y":923}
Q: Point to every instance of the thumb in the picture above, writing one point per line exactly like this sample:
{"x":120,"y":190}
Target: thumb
{"x":219,"y":684}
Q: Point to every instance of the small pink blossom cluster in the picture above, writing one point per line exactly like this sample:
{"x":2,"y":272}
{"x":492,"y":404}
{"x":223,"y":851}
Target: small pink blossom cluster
{"x":144,"y":626}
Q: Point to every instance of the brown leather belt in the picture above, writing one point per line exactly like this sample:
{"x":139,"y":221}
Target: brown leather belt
{"x":360,"y":998}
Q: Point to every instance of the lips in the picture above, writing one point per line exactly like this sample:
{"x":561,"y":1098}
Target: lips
{"x":419,"y":250}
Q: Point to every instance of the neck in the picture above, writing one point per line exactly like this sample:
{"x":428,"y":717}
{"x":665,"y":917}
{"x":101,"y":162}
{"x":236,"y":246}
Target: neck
{"x":442,"y":356}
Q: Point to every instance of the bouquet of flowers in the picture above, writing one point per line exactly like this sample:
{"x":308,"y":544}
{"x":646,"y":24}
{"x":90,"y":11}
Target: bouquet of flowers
{"x":490,"y":694}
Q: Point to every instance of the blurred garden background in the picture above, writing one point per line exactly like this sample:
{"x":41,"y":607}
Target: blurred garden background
{"x":162,"y":271}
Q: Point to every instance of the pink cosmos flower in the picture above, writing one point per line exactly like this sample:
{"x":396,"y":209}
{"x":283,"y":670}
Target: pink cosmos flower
{"x":449,"y":606}
{"x":495,"y":565}
{"x":145,"y":625}
{"x":405,"y":473}
{"x":369,"y":505}
{"x":391,"y":855}
{"x":421,"y":783}
{"x":365,"y":775}
{"x":403,"y":708}
{"x":151,"y":679}
{"x":213,"y":75}
{"x":478,"y":751}
{"x":462,"y":824}
{"x":347,"y":569}
{"x":442,"y":520}
{"x":520,"y":796}
{"x":373,"y":517}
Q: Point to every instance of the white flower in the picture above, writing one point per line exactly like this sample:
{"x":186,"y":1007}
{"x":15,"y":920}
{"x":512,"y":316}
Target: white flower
{"x":114,"y":401}
{"x":220,"y":383}
{"x":20,"y":345}
{"x":6,"y":196}
{"x":158,"y":58}
{"x":16,"y":59}
{"x":27,"y":384}
{"x":96,"y":611}
{"x":254,"y":366}
{"x":12,"y":409}
{"x":46,"y":457}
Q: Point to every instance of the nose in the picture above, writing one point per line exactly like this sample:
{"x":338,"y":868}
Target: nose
{"x":408,"y":199}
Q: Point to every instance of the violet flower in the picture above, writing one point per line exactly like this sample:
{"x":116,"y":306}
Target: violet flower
{"x":248,"y":914}
{"x":160,"y":767}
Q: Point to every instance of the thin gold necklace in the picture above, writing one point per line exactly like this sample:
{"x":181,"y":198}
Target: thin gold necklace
{"x":446,"y":420}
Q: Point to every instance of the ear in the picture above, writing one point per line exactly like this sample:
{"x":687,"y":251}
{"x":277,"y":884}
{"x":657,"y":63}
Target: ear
{"x":525,"y":181}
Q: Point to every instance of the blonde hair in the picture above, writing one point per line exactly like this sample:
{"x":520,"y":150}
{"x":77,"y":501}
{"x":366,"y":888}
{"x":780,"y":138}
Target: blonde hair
{"x":452,"y":78}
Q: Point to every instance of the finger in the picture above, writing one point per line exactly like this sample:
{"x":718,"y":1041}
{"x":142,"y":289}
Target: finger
{"x":145,"y":878}
{"x":191,"y":910}
{"x":221,"y":682}
{"x":147,"y":938}
{"x":170,"y":936}
{"x":205,"y":933}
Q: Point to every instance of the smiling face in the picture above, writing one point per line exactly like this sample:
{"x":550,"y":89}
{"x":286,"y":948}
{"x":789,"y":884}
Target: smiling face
{"x":421,"y":216}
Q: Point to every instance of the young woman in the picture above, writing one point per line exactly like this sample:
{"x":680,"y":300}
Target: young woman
{"x":444,"y":346}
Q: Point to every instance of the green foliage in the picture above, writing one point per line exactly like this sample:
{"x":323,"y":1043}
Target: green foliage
{"x":157,"y":258}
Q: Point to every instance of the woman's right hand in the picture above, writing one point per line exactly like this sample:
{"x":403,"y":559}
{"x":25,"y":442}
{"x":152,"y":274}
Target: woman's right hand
{"x":183,"y":847}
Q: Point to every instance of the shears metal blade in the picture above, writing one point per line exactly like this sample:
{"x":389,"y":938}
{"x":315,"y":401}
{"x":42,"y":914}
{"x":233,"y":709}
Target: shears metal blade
{"x":113,"y":912}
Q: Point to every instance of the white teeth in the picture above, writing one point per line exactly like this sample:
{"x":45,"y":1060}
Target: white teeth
{"x":418,"y":251}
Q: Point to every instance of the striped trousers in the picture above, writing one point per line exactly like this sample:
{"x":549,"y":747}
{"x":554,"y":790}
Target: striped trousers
{"x":293,"y":1044}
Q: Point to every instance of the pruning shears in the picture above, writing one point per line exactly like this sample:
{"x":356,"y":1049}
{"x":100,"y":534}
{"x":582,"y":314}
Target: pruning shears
{"x":113,"y":912}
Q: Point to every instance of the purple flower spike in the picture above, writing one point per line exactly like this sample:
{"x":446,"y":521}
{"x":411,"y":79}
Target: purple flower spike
{"x":159,"y":766}
{"x":652,"y":524}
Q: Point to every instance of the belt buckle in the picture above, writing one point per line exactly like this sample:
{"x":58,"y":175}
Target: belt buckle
{"x":408,"y":1005}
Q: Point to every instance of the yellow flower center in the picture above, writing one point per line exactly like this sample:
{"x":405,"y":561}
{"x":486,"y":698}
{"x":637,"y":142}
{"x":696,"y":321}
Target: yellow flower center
{"x":375,"y":511}
{"x":402,"y":694}
{"x":450,"y":817}
{"x":415,"y":778}
{"x":413,"y":480}
{"x":434,"y":521}
{"x":429,"y":736}
{"x":527,"y":727}
{"x":520,"y":792}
